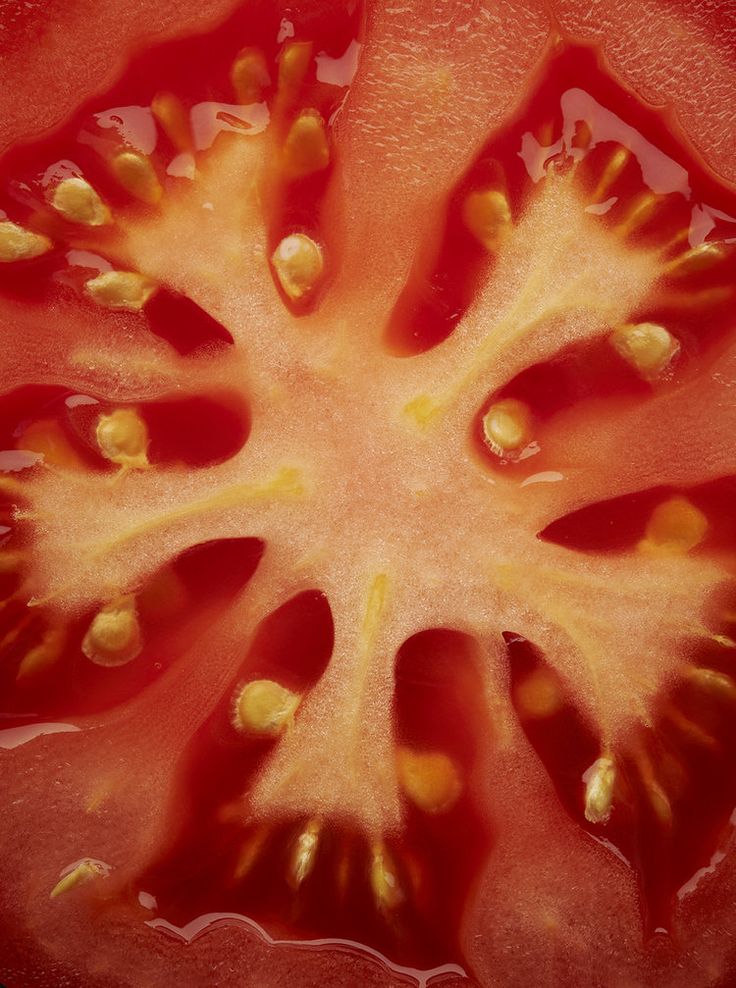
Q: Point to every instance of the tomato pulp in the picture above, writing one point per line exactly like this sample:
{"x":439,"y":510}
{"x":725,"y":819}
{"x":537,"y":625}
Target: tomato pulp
{"x":366,"y":552}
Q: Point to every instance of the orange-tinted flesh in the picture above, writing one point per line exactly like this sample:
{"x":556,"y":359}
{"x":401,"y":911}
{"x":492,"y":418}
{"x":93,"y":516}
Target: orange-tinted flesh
{"x":437,"y":681}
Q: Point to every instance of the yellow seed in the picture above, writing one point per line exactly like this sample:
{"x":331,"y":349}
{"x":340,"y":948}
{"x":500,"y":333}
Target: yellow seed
{"x":616,"y":164}
{"x":638,"y":214}
{"x":675,"y":527}
{"x":293,"y":64}
{"x":250,"y":851}
{"x":507,"y":426}
{"x":717,"y":683}
{"x":43,"y":655}
{"x":19,"y":244}
{"x":84,"y":872}
{"x":696,"y":259}
{"x":76,"y":200}
{"x":306,"y":149}
{"x":429,"y":779}
{"x":122,"y":437}
{"x":387,"y":893}
{"x":304,"y":854}
{"x":488,"y":217}
{"x":599,"y":789}
{"x":647,"y":347}
{"x":126,"y":290}
{"x":169,"y":110}
{"x":687,"y":727}
{"x":538,"y":695}
{"x":249,"y":75}
{"x":265,"y":707}
{"x":114,"y":635}
{"x":298,"y":264}
{"x":137,"y":175}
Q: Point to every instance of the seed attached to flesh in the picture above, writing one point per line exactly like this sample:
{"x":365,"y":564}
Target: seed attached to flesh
{"x":507,"y":426}
{"x":675,"y":527}
{"x":137,"y":176}
{"x":19,"y":244}
{"x":716,"y":683}
{"x":429,"y":779}
{"x":487,"y":216}
{"x":387,"y":893}
{"x":169,"y":110}
{"x":306,"y":149}
{"x":126,"y":290}
{"x":645,"y":346}
{"x":76,"y":200}
{"x":249,"y":76}
{"x":614,"y":166}
{"x":299,"y":265}
{"x":265,"y":707}
{"x":599,"y":787}
{"x":696,"y":259}
{"x":122,"y":437}
{"x":538,"y":695}
{"x":84,"y":872}
{"x":304,"y":854}
{"x":639,"y":213}
{"x":43,"y":655}
{"x":114,"y":635}
{"x":293,"y":64}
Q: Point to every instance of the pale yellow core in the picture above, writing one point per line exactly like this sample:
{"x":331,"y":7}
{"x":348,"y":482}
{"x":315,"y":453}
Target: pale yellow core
{"x":387,"y":893}
{"x":85,"y":872}
{"x":298,"y":264}
{"x":488,"y":217}
{"x":122,"y":437}
{"x":507,"y":425}
{"x":126,"y":290}
{"x":43,"y":655}
{"x":249,"y":75}
{"x":538,"y":695}
{"x":19,"y":244}
{"x":599,"y":790}
{"x":114,"y":635}
{"x":265,"y":707}
{"x":675,"y":527}
{"x":714,"y":682}
{"x":293,"y":64}
{"x":137,"y":176}
{"x":76,"y":200}
{"x":169,"y":111}
{"x":306,"y":148}
{"x":429,"y":779}
{"x":304,"y":854}
{"x":647,"y":347}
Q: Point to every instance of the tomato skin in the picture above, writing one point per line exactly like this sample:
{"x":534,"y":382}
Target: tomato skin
{"x":51,"y":84}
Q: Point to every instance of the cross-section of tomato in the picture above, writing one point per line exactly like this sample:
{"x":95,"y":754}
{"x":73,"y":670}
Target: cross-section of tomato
{"x":367,"y":604}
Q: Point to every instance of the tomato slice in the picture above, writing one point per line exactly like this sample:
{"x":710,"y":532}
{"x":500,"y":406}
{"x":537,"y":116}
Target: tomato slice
{"x":366,"y":550}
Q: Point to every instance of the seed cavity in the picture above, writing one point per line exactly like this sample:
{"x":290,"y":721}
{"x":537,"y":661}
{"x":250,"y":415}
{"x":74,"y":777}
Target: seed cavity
{"x":137,"y":176}
{"x":299,"y":265}
{"x":430,"y":779}
{"x":304,"y":854}
{"x":507,"y":426}
{"x":43,"y":655}
{"x":249,"y":76}
{"x":125,"y":290}
{"x":674,"y":528}
{"x":306,"y":149}
{"x":114,"y":635}
{"x":600,"y":782}
{"x":19,"y":244}
{"x":385,"y":885}
{"x":265,"y":707}
{"x":122,"y":438}
{"x":169,"y":111}
{"x":82,"y":874}
{"x":647,"y":347}
{"x":76,"y":200}
{"x":487,"y":216}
